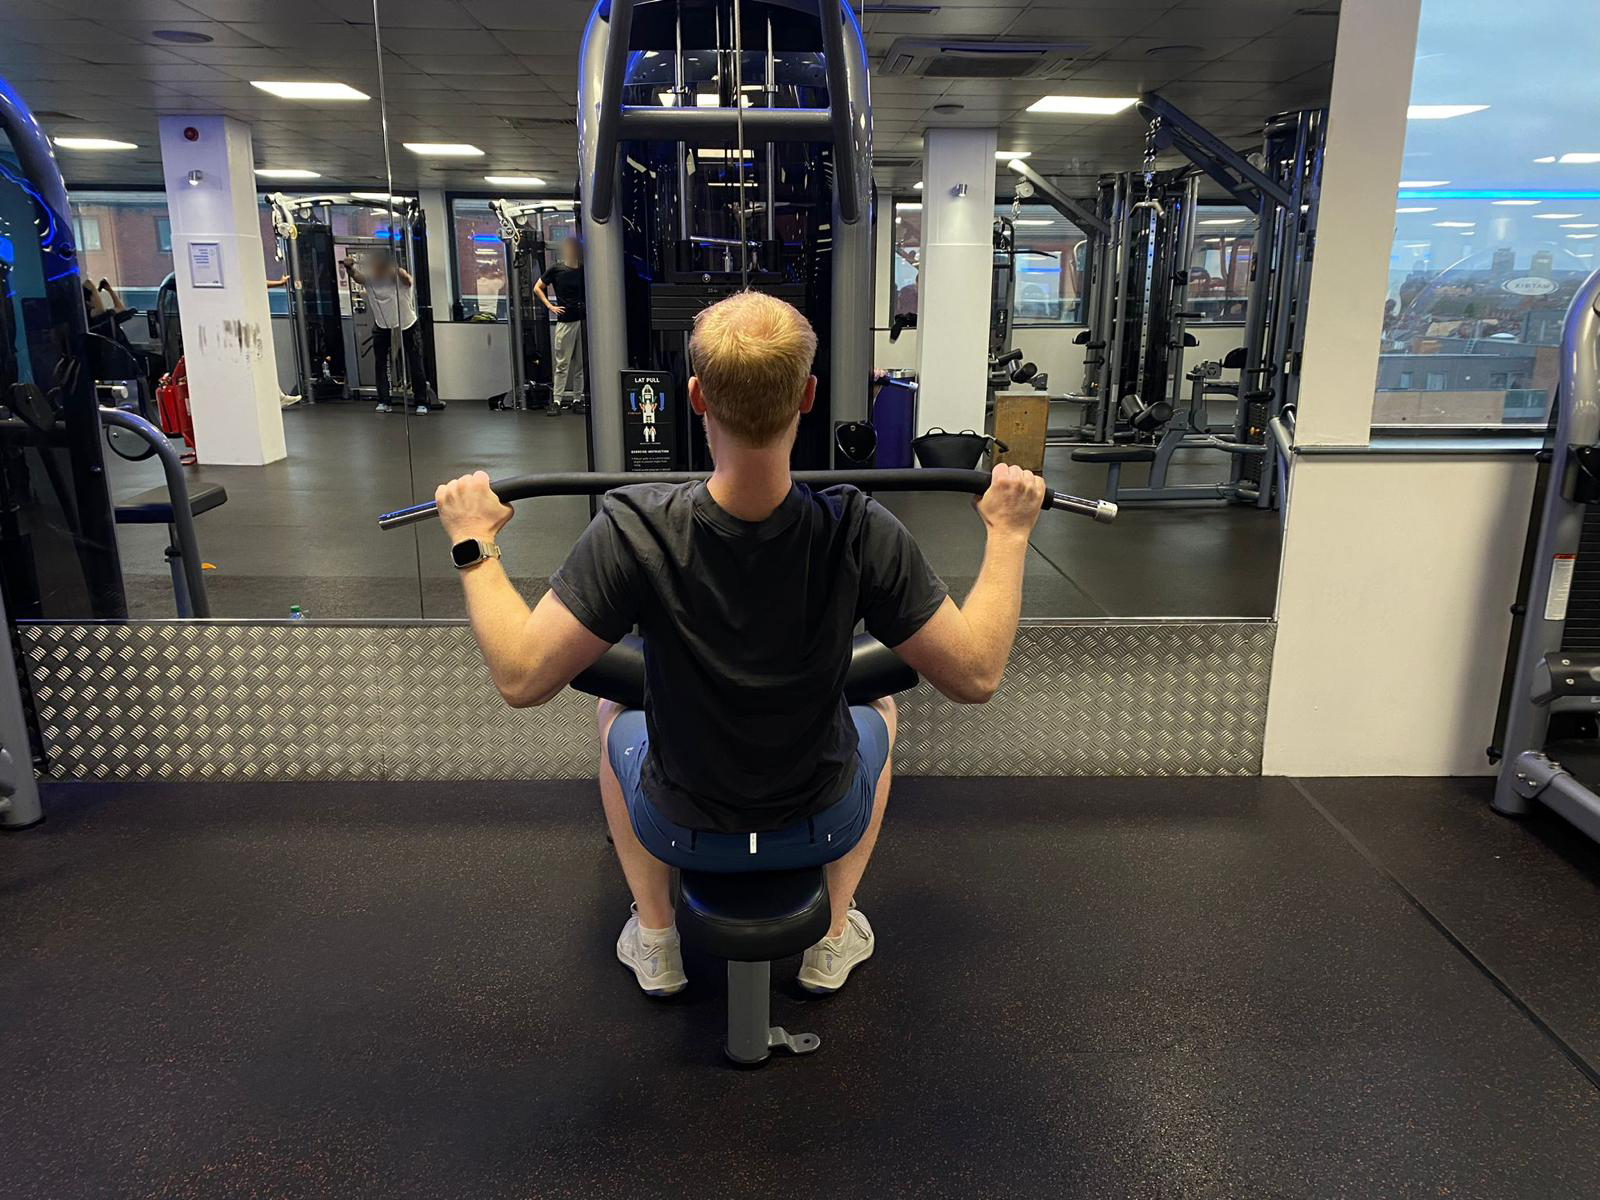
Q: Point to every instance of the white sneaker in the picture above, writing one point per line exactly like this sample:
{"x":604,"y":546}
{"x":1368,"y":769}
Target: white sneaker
{"x":383,"y":408}
{"x":658,"y":964}
{"x":828,"y":964}
{"x":287,"y":401}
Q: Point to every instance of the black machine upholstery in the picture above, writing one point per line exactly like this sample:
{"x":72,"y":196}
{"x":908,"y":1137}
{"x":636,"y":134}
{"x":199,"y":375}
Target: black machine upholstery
{"x":875,"y":671}
{"x":154,"y":507}
{"x":1116,"y":454}
{"x":753,"y":917}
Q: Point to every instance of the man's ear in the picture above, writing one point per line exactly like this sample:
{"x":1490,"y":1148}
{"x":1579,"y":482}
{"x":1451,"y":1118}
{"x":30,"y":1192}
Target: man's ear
{"x":697,"y":396}
{"x":810,"y":398}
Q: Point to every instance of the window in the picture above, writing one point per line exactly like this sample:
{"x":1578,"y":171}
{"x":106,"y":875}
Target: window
{"x":124,"y":237}
{"x":1051,"y":256}
{"x":1496,"y":219}
{"x":1219,"y":267}
{"x":1050,"y":264}
{"x":87,"y":233}
{"x":907,"y":258}
{"x":478,"y":255}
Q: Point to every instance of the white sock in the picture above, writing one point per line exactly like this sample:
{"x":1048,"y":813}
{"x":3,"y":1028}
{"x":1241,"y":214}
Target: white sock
{"x":657,"y":935}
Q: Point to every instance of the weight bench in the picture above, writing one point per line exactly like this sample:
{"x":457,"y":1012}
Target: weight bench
{"x":154,"y":507}
{"x":749,"y":919}
{"x":1113,"y":457}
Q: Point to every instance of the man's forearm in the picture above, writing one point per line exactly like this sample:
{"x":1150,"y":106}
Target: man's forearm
{"x":995,"y":603}
{"x":499,"y":617}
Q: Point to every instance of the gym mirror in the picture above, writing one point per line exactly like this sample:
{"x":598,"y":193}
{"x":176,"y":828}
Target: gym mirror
{"x":418,"y":244}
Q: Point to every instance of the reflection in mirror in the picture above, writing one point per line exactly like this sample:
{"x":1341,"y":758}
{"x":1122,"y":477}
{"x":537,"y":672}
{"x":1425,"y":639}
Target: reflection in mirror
{"x":58,"y":550}
{"x":279,"y":533}
{"x":424,"y":269}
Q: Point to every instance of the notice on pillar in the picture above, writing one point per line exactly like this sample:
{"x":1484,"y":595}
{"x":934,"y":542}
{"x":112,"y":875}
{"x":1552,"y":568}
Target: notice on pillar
{"x":205,"y":264}
{"x":649,"y":422}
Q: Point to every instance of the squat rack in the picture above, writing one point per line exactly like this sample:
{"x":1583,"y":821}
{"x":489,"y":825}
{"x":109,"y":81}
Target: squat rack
{"x":1141,"y":230}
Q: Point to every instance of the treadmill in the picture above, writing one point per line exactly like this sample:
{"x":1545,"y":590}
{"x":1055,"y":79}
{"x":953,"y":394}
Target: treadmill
{"x":1548,"y":739}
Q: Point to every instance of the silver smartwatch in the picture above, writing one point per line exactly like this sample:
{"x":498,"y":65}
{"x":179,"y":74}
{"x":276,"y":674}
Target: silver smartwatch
{"x":469,"y":552}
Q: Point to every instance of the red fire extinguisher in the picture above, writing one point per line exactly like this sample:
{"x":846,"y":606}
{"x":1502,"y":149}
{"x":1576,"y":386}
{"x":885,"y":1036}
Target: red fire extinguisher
{"x":172,"y":401}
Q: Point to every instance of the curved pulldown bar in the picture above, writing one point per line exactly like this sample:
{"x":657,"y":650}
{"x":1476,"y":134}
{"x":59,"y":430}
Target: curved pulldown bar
{"x":589,"y":483}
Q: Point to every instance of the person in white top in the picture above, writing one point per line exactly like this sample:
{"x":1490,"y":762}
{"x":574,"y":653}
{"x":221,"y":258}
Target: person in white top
{"x":392,"y":296}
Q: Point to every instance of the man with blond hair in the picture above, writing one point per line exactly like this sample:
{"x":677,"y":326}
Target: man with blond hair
{"x":747,"y":588}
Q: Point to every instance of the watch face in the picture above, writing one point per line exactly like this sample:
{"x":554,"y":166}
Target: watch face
{"x":466,"y":553}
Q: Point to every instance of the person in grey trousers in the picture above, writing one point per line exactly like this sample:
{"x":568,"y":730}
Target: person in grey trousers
{"x":560,"y":289}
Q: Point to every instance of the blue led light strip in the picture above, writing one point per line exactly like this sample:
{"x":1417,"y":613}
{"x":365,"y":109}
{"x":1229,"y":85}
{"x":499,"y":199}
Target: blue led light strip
{"x":1495,"y":194}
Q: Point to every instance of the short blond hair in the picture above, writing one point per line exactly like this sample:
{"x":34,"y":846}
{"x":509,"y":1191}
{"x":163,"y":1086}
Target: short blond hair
{"x":752,"y":354}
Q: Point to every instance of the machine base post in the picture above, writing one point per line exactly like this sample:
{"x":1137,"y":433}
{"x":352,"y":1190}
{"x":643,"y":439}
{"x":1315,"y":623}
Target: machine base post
{"x":751,"y":1040}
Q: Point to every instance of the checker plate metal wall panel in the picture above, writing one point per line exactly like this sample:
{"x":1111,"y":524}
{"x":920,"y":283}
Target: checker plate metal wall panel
{"x":222,"y":700}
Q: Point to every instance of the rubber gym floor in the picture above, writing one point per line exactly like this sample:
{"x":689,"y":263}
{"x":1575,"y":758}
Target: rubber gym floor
{"x":1107,"y":988}
{"x":303,"y":530}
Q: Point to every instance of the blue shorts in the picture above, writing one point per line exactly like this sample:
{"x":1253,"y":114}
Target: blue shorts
{"x":808,"y":843}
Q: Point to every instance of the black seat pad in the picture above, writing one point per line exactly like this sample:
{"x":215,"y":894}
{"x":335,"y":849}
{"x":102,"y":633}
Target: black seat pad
{"x":1116,"y":454}
{"x":755,"y":916}
{"x":875,"y":671}
{"x":154,"y":507}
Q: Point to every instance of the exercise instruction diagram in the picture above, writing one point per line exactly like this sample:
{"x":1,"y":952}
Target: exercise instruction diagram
{"x":649,"y":422}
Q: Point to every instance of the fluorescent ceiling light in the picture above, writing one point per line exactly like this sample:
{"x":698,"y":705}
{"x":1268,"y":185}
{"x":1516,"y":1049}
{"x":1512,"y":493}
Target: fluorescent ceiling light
{"x":377,"y":196}
{"x":1421,"y":183}
{"x":1515,"y":203}
{"x":1030,"y":221}
{"x":1441,"y":112}
{"x":903,"y":207}
{"x":1455,"y":224}
{"x":917,"y":187}
{"x":287,"y":173}
{"x":514,"y":180}
{"x":1582,"y":237}
{"x":715,"y":152}
{"x":82,"y":143}
{"x":1090,"y":106}
{"x":1008,"y":155}
{"x":1415,"y":210}
{"x":295,"y":90}
{"x":1555,"y":216}
{"x":443,"y":149}
{"x":1582,"y":225}
{"x":1579,"y":158}
{"x":1226,"y":221}
{"x":1548,"y":158}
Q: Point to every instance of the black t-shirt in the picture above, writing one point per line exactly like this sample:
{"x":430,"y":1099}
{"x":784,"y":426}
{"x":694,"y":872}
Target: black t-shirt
{"x":567,"y":284}
{"x":747,"y":629}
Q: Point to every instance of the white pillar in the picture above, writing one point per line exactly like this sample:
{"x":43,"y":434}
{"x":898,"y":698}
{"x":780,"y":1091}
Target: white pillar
{"x":956,"y":278}
{"x":209,"y":166}
{"x":1398,"y":572}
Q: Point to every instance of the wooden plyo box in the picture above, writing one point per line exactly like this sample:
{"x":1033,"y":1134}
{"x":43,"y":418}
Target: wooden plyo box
{"x":1020,"y":422}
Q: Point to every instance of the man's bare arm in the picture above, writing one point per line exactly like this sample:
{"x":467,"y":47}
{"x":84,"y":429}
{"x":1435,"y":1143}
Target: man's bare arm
{"x":531,"y":654}
{"x":405,"y":276}
{"x":544,"y":298}
{"x":963,"y":651}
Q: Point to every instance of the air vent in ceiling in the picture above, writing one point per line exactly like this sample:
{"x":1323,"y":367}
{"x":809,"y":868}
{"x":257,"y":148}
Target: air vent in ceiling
{"x":539,"y":122}
{"x":50,"y":114}
{"x":981,"y":58}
